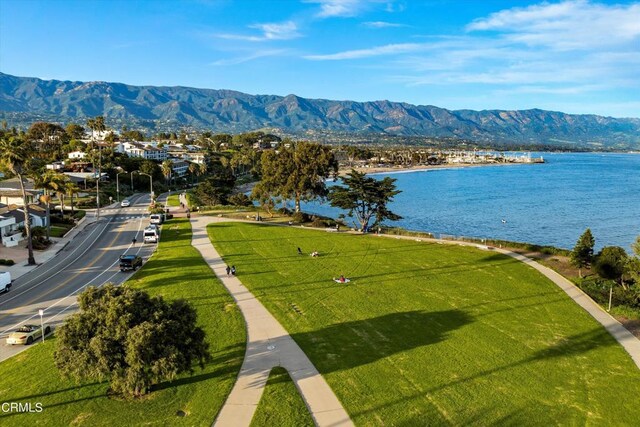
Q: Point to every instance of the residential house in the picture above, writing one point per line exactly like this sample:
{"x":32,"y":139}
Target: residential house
{"x":55,"y":166}
{"x":11,"y":194}
{"x":12,"y":220}
{"x":146,"y":151}
{"x":179,"y":167}
{"x":76,"y":155}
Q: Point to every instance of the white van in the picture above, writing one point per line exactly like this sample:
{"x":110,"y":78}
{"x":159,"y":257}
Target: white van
{"x":156,"y":218}
{"x":5,"y":281}
{"x":150,"y":235}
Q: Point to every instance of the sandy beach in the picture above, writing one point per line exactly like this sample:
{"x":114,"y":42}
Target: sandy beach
{"x":401,"y":169}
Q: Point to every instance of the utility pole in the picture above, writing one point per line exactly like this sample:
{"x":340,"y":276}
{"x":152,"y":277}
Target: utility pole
{"x":98,"y":182}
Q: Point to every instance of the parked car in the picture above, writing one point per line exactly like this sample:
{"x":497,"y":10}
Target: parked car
{"x":27,"y":334}
{"x":125,"y":203}
{"x":130,"y":262}
{"x":151,"y":234}
{"x":5,"y":282}
{"x":156,"y":218}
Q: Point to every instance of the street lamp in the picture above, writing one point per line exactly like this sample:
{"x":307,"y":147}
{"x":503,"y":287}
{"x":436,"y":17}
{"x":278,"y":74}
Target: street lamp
{"x":118,"y":184}
{"x":98,"y":182}
{"x":41,"y":313}
{"x":150,"y":184}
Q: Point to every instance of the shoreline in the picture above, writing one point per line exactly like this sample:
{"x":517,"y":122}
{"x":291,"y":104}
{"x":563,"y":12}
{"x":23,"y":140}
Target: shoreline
{"x":342,"y":171}
{"x":407,"y":169}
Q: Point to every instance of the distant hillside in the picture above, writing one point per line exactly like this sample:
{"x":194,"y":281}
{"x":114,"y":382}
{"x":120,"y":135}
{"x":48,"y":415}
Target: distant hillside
{"x":23,"y":100}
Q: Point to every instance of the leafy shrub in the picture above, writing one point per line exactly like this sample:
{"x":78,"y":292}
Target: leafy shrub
{"x":318,"y":222}
{"x":300,"y":217}
{"x":6,"y":261}
{"x":79,"y":214}
{"x":240,"y":199}
{"x":68,"y":220}
{"x":598,"y":289}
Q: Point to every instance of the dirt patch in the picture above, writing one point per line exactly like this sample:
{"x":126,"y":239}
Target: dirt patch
{"x":632,"y":325}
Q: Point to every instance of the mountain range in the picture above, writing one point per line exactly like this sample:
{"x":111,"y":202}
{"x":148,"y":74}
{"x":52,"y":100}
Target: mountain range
{"x":25,"y":99}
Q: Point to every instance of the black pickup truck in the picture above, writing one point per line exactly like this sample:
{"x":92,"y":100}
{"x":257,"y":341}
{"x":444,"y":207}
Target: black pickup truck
{"x":130,"y":262}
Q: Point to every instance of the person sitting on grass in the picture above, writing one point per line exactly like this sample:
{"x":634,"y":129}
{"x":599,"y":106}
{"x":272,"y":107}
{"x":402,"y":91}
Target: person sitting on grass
{"x":299,"y":251}
{"x":315,"y":254}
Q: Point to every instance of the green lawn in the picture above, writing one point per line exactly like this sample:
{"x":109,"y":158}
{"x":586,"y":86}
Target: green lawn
{"x":175,"y":271}
{"x":60,"y":230}
{"x":173,"y":200}
{"x":435,"y":334}
{"x":281,"y":404}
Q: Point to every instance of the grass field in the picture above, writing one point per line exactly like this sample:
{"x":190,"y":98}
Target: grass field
{"x":173,"y":200}
{"x":435,"y":334}
{"x":175,"y":271}
{"x":59,"y":231}
{"x":281,"y":404}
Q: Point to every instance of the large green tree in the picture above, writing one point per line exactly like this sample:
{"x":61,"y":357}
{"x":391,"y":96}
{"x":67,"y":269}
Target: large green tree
{"x":49,"y":138}
{"x":610,"y":263}
{"x":582,"y":253}
{"x":75,"y":131}
{"x":632,"y":268}
{"x":130,"y":338}
{"x":298,"y":173}
{"x":16,"y":154}
{"x":366,"y":198}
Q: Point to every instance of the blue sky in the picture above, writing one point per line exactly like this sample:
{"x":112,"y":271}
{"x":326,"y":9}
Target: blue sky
{"x":575,"y":56}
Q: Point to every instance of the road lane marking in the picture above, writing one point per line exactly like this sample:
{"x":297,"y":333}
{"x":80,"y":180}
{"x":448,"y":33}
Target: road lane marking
{"x":76,"y":290}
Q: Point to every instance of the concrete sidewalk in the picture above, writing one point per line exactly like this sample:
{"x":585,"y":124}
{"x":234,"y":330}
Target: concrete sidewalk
{"x":268,"y":345}
{"x":626,"y":339}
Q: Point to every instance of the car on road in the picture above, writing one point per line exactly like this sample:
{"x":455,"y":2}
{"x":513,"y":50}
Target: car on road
{"x":5,"y":282}
{"x":151,"y":234}
{"x":130,"y":262}
{"x":27,"y":334}
{"x":156,"y":219}
{"x":125,"y":203}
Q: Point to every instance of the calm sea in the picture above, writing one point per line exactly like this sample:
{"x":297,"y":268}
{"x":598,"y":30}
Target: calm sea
{"x":548,"y":204}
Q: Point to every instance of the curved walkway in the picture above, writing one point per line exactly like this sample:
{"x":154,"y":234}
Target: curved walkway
{"x":268,"y":345}
{"x":630,"y":343}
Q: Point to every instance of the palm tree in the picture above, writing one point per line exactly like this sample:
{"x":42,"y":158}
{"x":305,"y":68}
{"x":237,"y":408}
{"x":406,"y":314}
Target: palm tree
{"x":50,"y":182}
{"x":202,"y":169}
{"x":166,"y":170}
{"x":61,"y":192}
{"x":96,"y":125}
{"x":15,"y":154}
{"x":193,"y":169}
{"x":72,"y":188}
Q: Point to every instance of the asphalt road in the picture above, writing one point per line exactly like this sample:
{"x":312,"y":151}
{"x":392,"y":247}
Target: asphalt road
{"x":91,"y":258}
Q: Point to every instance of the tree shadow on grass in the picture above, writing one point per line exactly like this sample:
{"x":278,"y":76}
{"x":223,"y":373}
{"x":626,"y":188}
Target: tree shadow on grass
{"x":226,"y":363}
{"x":347,"y":345}
{"x":571,"y":346}
{"x":49,"y":393}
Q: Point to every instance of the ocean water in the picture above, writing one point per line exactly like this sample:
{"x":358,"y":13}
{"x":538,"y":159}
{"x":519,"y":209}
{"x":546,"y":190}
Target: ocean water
{"x":547,"y":204}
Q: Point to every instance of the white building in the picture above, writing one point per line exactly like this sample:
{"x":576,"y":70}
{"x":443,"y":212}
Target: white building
{"x":149,"y":152}
{"x":179,"y":167}
{"x":75,"y":155}
{"x":12,"y":219}
{"x":55,"y":166}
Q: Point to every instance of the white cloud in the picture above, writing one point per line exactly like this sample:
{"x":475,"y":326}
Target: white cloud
{"x":389,"y":49}
{"x":350,"y":8}
{"x":383,"y":24}
{"x":250,"y":57}
{"x":278,"y":31}
{"x":338,"y":8}
{"x":573,"y":24}
{"x":270,"y":31}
